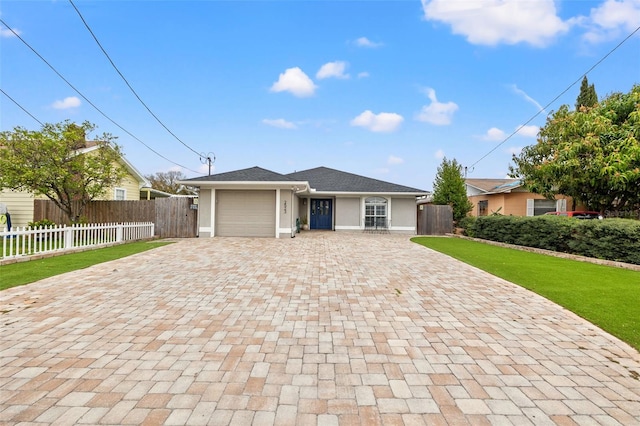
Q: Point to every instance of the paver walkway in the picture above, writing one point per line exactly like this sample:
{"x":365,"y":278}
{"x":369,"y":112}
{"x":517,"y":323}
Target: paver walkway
{"x":327,"y":329}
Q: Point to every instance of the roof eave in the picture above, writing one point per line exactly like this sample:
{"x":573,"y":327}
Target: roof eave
{"x":476,"y":187}
{"x":416,"y":194}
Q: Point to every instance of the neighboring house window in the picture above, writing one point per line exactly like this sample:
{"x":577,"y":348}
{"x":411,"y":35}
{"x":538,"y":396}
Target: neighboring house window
{"x":561,"y":205}
{"x":483,"y":208}
{"x":375,"y":212}
{"x":120,"y":194}
{"x":540,"y":207}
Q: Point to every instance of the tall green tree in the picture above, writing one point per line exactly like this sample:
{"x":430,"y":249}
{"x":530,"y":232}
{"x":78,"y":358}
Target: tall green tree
{"x":168,"y":182}
{"x":591,"y":154}
{"x":449,"y":189}
{"x":587,"y":96}
{"x":58,"y":162}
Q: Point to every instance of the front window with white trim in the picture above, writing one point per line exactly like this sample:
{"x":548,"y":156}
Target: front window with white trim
{"x":375,"y":212}
{"x":537,"y":207}
{"x":120,"y":194}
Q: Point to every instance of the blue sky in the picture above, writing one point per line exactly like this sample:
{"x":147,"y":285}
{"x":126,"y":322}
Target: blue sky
{"x":379,"y":88}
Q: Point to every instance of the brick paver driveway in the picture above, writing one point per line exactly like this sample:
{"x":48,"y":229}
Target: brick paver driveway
{"x":321,"y":329}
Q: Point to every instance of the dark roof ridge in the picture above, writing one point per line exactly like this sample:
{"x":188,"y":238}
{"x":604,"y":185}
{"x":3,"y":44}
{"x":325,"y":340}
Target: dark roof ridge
{"x":249,"y":174}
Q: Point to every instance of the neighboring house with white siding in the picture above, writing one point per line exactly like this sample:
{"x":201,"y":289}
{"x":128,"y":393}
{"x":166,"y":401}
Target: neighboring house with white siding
{"x":19,"y":204}
{"x":510,"y":197}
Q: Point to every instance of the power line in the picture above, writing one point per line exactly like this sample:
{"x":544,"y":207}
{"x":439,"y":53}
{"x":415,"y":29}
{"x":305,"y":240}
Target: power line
{"x":557,"y":97}
{"x":91,"y":103}
{"x":21,"y":107}
{"x":127,"y":82}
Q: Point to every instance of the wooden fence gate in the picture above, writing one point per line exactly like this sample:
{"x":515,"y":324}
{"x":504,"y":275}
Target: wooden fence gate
{"x":174,"y":217}
{"x":434,"y":219}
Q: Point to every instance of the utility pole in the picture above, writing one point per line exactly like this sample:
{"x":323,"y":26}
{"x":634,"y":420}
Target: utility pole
{"x":209,"y":159}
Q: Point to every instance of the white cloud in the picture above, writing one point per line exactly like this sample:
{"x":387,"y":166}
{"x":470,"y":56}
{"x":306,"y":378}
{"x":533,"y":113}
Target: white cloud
{"x":334,"y":69}
{"x":383,"y":122}
{"x":439,"y":154}
{"x":438,"y":113}
{"x":67,"y":103}
{"x":527,"y":98}
{"x":295,"y":81}
{"x":363,"y":74}
{"x":280,"y":123}
{"x":204,"y":169}
{"x":7,"y":33}
{"x":394,"y":160}
{"x":514,"y":150}
{"x":528,"y":131}
{"x":494,"y":134}
{"x":611,"y":18}
{"x":365,"y":42}
{"x":492,"y":22}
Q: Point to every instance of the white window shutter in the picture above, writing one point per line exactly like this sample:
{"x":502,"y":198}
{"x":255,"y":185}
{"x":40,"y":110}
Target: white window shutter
{"x":530,"y":207}
{"x":561,"y":205}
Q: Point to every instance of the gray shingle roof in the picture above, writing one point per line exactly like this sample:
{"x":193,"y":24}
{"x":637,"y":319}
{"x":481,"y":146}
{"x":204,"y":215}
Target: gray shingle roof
{"x":252,"y":174}
{"x":330,"y":180}
{"x":321,"y":179}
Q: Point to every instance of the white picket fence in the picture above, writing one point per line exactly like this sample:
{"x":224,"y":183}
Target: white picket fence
{"x":25,"y":241}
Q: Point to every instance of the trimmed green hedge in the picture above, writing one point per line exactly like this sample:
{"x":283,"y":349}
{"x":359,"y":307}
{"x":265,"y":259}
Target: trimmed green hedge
{"x":610,"y":239}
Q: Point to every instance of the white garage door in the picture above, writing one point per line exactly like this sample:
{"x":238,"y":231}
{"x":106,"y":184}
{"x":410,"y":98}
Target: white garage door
{"x":245,"y":213}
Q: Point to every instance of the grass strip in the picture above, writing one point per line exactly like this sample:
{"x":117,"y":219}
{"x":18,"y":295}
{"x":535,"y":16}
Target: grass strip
{"x":606,"y":296}
{"x":16,"y":274}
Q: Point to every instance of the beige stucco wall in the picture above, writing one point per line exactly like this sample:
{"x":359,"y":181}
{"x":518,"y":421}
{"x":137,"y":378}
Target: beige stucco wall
{"x":204,"y":213}
{"x":403,"y":212}
{"x":303,"y":209}
{"x":514,"y":203}
{"x":19,"y":205}
{"x":347,"y":212}
{"x":287,"y":211}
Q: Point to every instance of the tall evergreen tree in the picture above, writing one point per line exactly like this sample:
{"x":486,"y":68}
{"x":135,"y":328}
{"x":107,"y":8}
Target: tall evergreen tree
{"x":449,"y":188}
{"x":588,"y":96}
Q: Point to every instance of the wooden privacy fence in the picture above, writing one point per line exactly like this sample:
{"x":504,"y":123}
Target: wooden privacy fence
{"x":174,"y":217}
{"x":434,"y":219}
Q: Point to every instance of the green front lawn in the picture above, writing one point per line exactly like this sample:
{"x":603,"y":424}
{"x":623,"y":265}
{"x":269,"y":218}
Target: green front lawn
{"x":21,"y":273}
{"x":606,"y":296}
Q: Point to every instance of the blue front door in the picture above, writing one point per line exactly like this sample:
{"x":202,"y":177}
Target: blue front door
{"x":320,"y":214}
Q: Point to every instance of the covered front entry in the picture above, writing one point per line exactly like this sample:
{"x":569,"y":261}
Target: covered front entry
{"x":321,"y":214}
{"x":245,"y":213}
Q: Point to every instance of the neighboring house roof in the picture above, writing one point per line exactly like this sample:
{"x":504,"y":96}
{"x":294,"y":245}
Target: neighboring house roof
{"x":94,"y":145}
{"x":154,"y":193}
{"x":320,"y":179}
{"x":494,"y":186}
